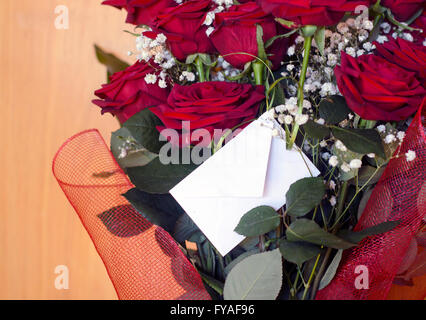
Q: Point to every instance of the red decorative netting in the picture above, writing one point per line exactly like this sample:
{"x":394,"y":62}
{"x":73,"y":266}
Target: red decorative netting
{"x":399,"y":195}
{"x":142,"y":260}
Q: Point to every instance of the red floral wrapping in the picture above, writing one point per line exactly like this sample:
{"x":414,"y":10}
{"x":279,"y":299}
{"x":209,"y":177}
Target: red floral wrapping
{"x":142,"y":260}
{"x":399,"y":195}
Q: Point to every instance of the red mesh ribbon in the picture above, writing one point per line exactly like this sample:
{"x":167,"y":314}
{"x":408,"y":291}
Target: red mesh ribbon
{"x":142,"y":260}
{"x":399,"y":195}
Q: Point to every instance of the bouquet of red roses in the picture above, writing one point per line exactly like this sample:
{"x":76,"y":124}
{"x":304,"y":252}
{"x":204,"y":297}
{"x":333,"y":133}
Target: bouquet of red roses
{"x":268,"y":149}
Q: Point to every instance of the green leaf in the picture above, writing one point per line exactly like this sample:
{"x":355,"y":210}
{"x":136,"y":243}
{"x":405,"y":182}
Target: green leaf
{"x":156,"y":177}
{"x":362,"y":141}
{"x":331,"y":270}
{"x":280,"y":36}
{"x":334,"y":109}
{"x":363,"y":203}
{"x":112,"y":63}
{"x":308,"y":230}
{"x":320,"y":39}
{"x":258,"y":221}
{"x":366,"y":172}
{"x":142,"y":126}
{"x":151,"y":207}
{"x":184,"y":229}
{"x":257,"y":277}
{"x":315,"y":130}
{"x":135,"y":156}
{"x":240,"y":258}
{"x":298,"y":252}
{"x":304,"y":195}
{"x":260,"y":45}
{"x":285,"y":23}
{"x":356,"y":237}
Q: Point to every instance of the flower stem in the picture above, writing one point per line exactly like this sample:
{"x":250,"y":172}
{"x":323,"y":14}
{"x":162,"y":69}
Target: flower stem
{"x":258,"y":68}
{"x":307,"y":47}
{"x":200,"y":69}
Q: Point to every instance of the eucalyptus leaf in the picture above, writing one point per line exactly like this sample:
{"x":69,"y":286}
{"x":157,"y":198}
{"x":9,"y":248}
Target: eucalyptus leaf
{"x":308,"y":230}
{"x":320,"y":39}
{"x":184,"y":229}
{"x":304,"y":195}
{"x":362,"y":141}
{"x":143,"y":127}
{"x":156,"y":177}
{"x":258,"y":221}
{"x":356,"y":237}
{"x":135,"y":156}
{"x":257,"y":277}
{"x":315,"y":130}
{"x":260,"y":45}
{"x":366,"y":172}
{"x":331,"y":270}
{"x":334,"y":109}
{"x":298,"y":252}
{"x":240,"y":258}
{"x":161,"y":210}
{"x":112,"y":63}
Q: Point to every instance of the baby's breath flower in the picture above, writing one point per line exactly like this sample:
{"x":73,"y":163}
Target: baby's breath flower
{"x":333,"y":161}
{"x":410,"y":155}
{"x":355,"y":164}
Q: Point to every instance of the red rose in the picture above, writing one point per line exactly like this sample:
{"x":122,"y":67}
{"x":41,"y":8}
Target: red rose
{"x":311,"y":12}
{"x":210,"y":105}
{"x":184,"y":29}
{"x":141,"y":11}
{"x":403,"y":9}
{"x":376,"y":89}
{"x":235,"y":31}
{"x":406,"y":55}
{"x":128,"y":93}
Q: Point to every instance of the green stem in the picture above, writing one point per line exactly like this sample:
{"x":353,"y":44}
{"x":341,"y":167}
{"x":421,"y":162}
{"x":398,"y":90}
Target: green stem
{"x":307,"y":47}
{"x":342,"y":198}
{"x":308,"y":285}
{"x":200,"y":69}
{"x":321,"y":270}
{"x":258,"y":68}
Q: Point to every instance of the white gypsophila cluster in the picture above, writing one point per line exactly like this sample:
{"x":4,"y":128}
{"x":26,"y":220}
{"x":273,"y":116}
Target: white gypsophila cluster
{"x":350,"y":36}
{"x":396,"y":32}
{"x":222,"y":5}
{"x":410,"y":155}
{"x":186,"y":75}
{"x":390,"y":135}
{"x":226,"y":70}
{"x":148,"y":49}
{"x":288,"y":113}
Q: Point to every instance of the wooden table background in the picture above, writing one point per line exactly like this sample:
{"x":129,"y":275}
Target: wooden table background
{"x":47,"y":79}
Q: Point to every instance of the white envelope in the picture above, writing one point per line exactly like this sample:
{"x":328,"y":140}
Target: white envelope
{"x":251,"y":170}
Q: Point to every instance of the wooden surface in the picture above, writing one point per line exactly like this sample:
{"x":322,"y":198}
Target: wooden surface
{"x":47,"y":79}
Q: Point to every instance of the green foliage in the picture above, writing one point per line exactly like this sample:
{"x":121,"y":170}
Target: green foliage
{"x":298,"y":252}
{"x":362,"y":141}
{"x":258,"y":221}
{"x":257,"y":277}
{"x":304,"y":195}
{"x":309,"y":231}
{"x":156,"y":177}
